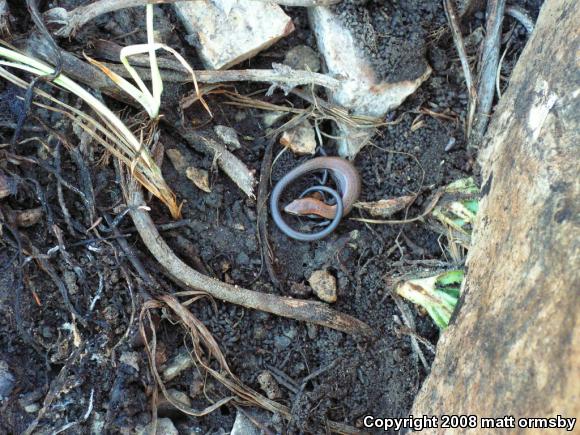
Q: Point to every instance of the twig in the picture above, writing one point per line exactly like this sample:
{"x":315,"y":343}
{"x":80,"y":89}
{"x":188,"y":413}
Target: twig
{"x":488,"y":70}
{"x":460,"y":47}
{"x":308,"y":311}
{"x":262,"y":212}
{"x":521,"y":15}
{"x":78,"y":17}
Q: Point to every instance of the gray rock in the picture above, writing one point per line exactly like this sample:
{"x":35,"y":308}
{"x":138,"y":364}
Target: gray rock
{"x":282,"y":342}
{"x":303,"y":57}
{"x":176,"y":365}
{"x":226,"y":32}
{"x":6,"y":380}
{"x":243,"y":426}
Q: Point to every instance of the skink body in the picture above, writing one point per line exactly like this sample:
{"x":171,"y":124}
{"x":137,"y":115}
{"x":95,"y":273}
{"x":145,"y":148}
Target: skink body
{"x":347,"y":180}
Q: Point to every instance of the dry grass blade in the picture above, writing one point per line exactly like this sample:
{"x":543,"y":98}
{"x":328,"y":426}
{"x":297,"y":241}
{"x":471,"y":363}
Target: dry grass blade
{"x":205,"y":351}
{"x":143,"y":167}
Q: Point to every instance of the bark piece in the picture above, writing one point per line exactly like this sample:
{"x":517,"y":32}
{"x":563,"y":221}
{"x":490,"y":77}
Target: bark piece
{"x":361,"y":91}
{"x":227,"y":32}
{"x":518,"y":315}
{"x":229,"y":136}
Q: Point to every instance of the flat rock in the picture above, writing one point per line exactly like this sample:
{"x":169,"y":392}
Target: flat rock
{"x":361,"y":91}
{"x":301,"y":139}
{"x":227,"y":32}
{"x":199,"y":177}
{"x":323,"y":284}
{"x":164,"y":427}
{"x":243,"y":426}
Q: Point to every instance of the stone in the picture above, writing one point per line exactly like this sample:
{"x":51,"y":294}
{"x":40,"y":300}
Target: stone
{"x":301,"y":139}
{"x":199,"y":177}
{"x":244,"y":426}
{"x":269,"y":385}
{"x":227,"y":32}
{"x":361,"y":91}
{"x":323,"y":285}
{"x":131,"y":359}
{"x":166,"y":409}
{"x":177,"y":160}
{"x":6,"y":380}
{"x":176,"y":365}
{"x":229,"y":136}
{"x":384,"y":208}
{"x":271,"y":118}
{"x":302,"y":57}
{"x":164,"y":427}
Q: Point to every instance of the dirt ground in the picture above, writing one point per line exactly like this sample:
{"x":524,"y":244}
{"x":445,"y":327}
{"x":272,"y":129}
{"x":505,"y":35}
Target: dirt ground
{"x":108,"y":372}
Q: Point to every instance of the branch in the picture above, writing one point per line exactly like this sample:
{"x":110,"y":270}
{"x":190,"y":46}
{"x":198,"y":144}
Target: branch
{"x":303,"y":310}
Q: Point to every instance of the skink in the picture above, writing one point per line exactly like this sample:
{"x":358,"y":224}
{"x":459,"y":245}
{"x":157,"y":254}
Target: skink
{"x":347,"y":180}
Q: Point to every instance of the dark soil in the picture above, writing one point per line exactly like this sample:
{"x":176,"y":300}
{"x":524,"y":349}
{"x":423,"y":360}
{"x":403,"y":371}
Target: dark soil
{"x":108,"y":372}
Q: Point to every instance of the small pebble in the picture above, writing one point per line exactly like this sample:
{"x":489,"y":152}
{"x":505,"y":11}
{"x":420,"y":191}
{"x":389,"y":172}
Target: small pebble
{"x":282,"y":342}
{"x":301,"y":139}
{"x":176,"y":365}
{"x":200,"y":178}
{"x":323,"y":284}
{"x":164,"y":427}
{"x":243,"y":426}
{"x":269,"y":385}
{"x":6,"y":380}
{"x":303,"y":57}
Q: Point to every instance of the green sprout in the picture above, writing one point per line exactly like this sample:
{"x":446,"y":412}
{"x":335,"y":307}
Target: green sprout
{"x":437,"y":294}
{"x":456,"y":211}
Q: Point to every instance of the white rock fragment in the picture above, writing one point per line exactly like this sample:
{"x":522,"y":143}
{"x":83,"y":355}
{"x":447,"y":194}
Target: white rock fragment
{"x":301,"y":139}
{"x":244,"y":426}
{"x":176,"y":365}
{"x":361,"y":91}
{"x":227,"y":32}
{"x":271,"y":118}
{"x":200,"y":178}
{"x":229,"y":136}
{"x":323,"y":285}
{"x":269,"y":385}
{"x":164,"y":427}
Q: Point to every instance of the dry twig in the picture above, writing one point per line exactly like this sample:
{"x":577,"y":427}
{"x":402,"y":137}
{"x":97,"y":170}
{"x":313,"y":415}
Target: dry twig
{"x":73,"y":20}
{"x":308,"y":311}
{"x":488,"y":70}
{"x":460,"y":47}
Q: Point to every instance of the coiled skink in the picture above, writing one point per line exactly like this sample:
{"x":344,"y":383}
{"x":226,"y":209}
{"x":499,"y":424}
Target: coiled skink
{"x":348,"y":183}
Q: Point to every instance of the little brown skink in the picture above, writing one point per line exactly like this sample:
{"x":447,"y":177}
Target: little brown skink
{"x":348,"y":183}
